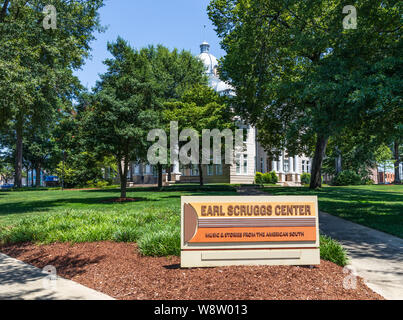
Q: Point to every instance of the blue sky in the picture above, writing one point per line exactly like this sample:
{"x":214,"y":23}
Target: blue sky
{"x":173,"y":23}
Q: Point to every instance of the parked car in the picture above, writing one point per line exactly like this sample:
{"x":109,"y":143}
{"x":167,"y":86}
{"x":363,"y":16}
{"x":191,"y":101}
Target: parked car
{"x":51,"y":181}
{"x":7,"y":186}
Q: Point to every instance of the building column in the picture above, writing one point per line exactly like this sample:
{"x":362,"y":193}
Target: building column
{"x":292,"y":167}
{"x":280,"y":164}
{"x":176,"y":174}
{"x":291,"y":164}
{"x":297,"y":169}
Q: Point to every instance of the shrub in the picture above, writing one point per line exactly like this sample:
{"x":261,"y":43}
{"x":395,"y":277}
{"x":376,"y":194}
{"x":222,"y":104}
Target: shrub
{"x":369,"y":182}
{"x":274,"y":177}
{"x":259,"y":178}
{"x":90,"y":184}
{"x":102,"y":184}
{"x":332,"y":251}
{"x":97,"y":184}
{"x":306,"y":178}
{"x":347,"y":178}
{"x":267,"y":178}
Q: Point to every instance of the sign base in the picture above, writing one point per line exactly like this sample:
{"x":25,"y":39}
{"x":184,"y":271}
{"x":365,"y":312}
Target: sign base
{"x":269,"y":257}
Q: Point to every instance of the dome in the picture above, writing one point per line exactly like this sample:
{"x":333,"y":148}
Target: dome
{"x":210,"y":62}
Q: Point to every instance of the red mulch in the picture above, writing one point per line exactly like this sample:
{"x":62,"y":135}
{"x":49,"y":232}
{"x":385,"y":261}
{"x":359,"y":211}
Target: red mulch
{"x":118,"y":270}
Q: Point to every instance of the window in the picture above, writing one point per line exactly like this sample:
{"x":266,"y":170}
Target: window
{"x":242,"y":165}
{"x":306,"y":166}
{"x":210,"y":167}
{"x":136,"y":169}
{"x":155,"y":171}
{"x":238,"y":166}
{"x":210,"y":170}
{"x":218,"y":169}
{"x":194,"y":170}
{"x":286,"y":165}
{"x":261,"y":165}
{"x":148,"y":169}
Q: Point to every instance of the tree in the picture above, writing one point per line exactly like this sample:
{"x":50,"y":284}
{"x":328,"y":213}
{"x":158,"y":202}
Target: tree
{"x":123,"y":108}
{"x":397,"y":157}
{"x":39,"y":147}
{"x":354,"y":149}
{"x":36,"y":64}
{"x":6,"y":171}
{"x":200,"y":108}
{"x":174,"y":72}
{"x":298,"y":75}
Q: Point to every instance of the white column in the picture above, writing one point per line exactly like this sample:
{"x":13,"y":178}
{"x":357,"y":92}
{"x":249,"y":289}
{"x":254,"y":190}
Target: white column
{"x":176,"y":168}
{"x":281,"y":163}
{"x":296,"y":165}
{"x":291,"y":164}
{"x":274,"y":166}
{"x":176,"y":165}
{"x":298,"y":171}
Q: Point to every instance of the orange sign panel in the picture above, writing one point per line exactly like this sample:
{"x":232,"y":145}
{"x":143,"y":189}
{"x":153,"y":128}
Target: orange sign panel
{"x":250,"y":222}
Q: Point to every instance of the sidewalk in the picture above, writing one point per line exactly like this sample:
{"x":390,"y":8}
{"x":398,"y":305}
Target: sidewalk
{"x":375,"y":256}
{"x":20,"y":281}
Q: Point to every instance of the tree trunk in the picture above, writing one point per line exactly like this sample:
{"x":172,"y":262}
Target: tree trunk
{"x":338,"y":161}
{"x":18,"y":155}
{"x":397,"y":163}
{"x":38,"y":176}
{"x":201,"y":175}
{"x":170,"y":173}
{"x":32,"y":177}
{"x":123,"y":177}
{"x":320,"y":151}
{"x":159,"y":169}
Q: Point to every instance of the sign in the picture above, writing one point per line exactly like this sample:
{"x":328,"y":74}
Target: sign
{"x":221,"y":231}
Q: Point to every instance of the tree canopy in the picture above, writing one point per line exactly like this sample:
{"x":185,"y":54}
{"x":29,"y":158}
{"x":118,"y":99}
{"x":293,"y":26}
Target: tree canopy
{"x":36,"y":64}
{"x":128,"y":101}
{"x":302,"y":78}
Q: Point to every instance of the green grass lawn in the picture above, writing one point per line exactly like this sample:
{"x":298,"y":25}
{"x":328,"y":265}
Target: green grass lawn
{"x":17,"y":205}
{"x":153,"y":222}
{"x":86,"y":216}
{"x":378,"y":206}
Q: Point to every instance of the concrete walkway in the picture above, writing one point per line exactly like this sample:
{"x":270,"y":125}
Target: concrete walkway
{"x":375,"y":256}
{"x":251,"y":191}
{"x":20,"y":281}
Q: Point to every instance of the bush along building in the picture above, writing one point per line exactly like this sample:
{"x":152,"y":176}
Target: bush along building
{"x":253,"y":159}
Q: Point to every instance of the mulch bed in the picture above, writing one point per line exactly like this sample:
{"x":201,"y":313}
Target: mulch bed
{"x":118,"y":270}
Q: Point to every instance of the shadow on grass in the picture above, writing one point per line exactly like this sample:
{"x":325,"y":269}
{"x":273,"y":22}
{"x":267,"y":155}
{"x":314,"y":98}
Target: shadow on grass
{"x":47,"y":205}
{"x":375,"y":208}
{"x":175,"y":188}
{"x":88,"y":198}
{"x":339,"y":193}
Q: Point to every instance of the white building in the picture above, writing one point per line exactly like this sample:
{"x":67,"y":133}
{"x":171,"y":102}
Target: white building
{"x":243,"y":171}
